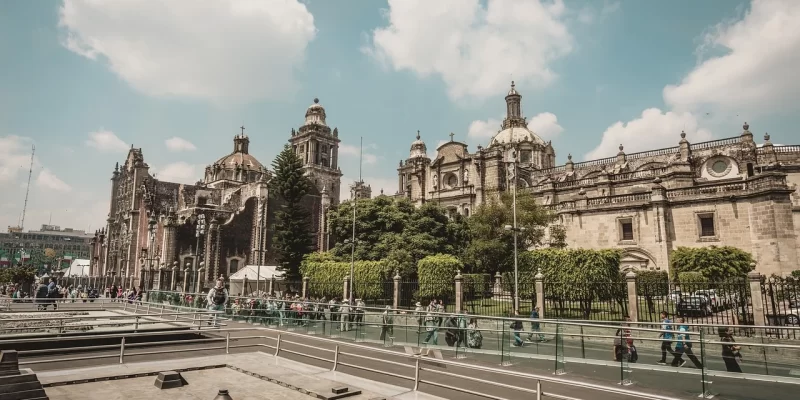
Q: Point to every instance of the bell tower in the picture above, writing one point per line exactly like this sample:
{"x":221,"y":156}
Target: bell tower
{"x":318,"y":146}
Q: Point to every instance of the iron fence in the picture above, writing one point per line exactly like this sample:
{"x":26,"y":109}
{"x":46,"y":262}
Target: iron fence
{"x":374,"y":294}
{"x":781,"y":297}
{"x":606,"y":301}
{"x":725,"y":303}
{"x":408,"y":290}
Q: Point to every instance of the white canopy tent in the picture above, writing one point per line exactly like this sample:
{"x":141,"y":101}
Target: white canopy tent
{"x":254,"y":275}
{"x":79,"y":267}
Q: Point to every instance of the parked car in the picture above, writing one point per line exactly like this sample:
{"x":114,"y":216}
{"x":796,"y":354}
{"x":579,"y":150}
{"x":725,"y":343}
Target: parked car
{"x":694,"y":305}
{"x":713,"y":299}
{"x":675,"y":296}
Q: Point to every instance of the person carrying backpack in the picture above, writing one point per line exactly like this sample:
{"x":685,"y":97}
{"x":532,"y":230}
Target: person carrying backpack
{"x":217,"y":299}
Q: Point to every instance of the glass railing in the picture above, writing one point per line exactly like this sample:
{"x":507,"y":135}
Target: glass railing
{"x":756,"y":366}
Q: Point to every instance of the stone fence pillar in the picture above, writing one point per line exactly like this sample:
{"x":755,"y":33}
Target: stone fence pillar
{"x":271,"y":285}
{"x":304,"y":293}
{"x":498,"y":284}
{"x":346,"y":287}
{"x":186,"y":273}
{"x":396,"y":293}
{"x":539,"y":279}
{"x":459,"y":292}
{"x":754,"y":278}
{"x":633,"y":297}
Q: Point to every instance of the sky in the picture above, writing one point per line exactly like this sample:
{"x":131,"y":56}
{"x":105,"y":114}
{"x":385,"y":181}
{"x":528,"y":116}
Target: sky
{"x":83,"y":80}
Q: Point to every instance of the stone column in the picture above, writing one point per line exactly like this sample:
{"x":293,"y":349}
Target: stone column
{"x":304,"y":293}
{"x":345,"y":289}
{"x":396,"y":294}
{"x":754,"y":278}
{"x":174,"y":277}
{"x":459,"y":292}
{"x":633,"y":298}
{"x":200,"y":272}
{"x":498,"y":284}
{"x":186,"y":273}
{"x":539,"y":279}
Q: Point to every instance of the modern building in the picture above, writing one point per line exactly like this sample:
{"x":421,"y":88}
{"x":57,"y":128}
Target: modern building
{"x":727,"y":192}
{"x":64,"y":244}
{"x":220,"y":224}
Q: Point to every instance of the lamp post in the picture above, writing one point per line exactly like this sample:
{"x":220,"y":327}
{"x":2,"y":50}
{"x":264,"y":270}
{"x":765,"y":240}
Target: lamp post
{"x":199,"y":232}
{"x":514,"y":228}
{"x":352,"y":243}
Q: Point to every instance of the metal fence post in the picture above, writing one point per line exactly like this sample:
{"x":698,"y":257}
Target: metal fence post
{"x":335,"y":358}
{"x":136,"y":324}
{"x":278,"y":346}
{"x":227,"y":342}
{"x":538,"y":390}
{"x":122,"y":351}
{"x":416,"y":375}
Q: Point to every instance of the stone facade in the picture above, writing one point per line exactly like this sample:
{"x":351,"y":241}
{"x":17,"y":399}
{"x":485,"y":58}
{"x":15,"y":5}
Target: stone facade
{"x":216,"y":226}
{"x":727,"y":192}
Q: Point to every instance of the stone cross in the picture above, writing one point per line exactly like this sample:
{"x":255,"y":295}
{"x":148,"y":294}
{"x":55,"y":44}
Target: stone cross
{"x":242,"y":127}
{"x":451,"y":136}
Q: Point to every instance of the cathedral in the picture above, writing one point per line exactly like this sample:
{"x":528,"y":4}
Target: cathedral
{"x":726,"y":192}
{"x":216,"y":226}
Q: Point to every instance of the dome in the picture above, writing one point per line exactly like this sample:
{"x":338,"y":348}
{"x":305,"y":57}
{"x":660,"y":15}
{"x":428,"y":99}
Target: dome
{"x":418,"y":148}
{"x":315,"y":114}
{"x":515,"y":134}
{"x":246,"y":161}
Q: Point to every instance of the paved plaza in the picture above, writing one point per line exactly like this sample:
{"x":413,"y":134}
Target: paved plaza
{"x":246,"y":376}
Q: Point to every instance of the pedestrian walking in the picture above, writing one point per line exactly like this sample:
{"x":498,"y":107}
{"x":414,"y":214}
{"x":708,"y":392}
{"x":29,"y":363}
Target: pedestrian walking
{"x":535,"y":326}
{"x":666,"y":337}
{"x":730,"y":351}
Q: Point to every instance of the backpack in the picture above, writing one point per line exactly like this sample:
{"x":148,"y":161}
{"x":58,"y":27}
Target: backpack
{"x":219,"y":297}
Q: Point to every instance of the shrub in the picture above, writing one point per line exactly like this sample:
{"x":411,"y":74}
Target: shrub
{"x":326,"y":278}
{"x":436,"y":275}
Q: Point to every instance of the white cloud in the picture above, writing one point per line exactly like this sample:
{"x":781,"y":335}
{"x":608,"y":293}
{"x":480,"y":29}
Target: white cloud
{"x":15,"y":157}
{"x":475,"y":49}
{"x":758,"y":72}
{"x":176,"y":144}
{"x":226,"y":50}
{"x":106,"y":141}
{"x":545,"y":125}
{"x":755,"y":76}
{"x":388,"y":185}
{"x":653,"y":130}
{"x":48,"y":180}
{"x":589,"y":15}
{"x":351,"y":152}
{"x":178,"y":172}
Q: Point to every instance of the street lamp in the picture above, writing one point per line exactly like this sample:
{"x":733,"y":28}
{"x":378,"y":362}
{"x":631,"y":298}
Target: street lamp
{"x":515,"y":228}
{"x":352,"y":242}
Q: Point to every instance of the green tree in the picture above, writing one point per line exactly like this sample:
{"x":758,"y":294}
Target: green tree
{"x":491,"y":246}
{"x":396,"y":231}
{"x":652,"y":285}
{"x":716,"y":264}
{"x":21,"y":275}
{"x":292,"y":238}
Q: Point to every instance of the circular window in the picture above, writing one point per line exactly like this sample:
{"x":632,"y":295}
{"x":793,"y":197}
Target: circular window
{"x":452,"y":180}
{"x":719,"y":166}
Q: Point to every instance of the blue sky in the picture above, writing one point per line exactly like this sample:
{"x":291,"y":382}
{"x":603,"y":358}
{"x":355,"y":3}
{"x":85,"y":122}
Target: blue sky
{"x":83,"y":80}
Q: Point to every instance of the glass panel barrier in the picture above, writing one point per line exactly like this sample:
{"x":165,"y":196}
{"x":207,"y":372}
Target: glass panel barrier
{"x":559,"y":349}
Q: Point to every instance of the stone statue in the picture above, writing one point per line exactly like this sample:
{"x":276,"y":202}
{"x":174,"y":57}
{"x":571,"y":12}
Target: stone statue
{"x":466,"y":175}
{"x":435,"y":180}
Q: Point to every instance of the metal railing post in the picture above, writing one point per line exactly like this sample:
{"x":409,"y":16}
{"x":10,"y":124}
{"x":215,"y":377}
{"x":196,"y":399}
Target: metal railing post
{"x":335,"y":358}
{"x":416,"y":375}
{"x":227,"y":343}
{"x":122,"y":351}
{"x":136,"y":325}
{"x":278,"y":346}
{"x":538,"y":389}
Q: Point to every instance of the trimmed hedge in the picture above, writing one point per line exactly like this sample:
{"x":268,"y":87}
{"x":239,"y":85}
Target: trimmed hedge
{"x":436,"y":274}
{"x":326,"y":278}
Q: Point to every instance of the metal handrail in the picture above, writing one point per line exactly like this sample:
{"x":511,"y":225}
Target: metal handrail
{"x":418,"y":360}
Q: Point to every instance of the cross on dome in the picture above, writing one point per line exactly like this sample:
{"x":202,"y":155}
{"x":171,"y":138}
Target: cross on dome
{"x":451,"y":136}
{"x":242,"y":128}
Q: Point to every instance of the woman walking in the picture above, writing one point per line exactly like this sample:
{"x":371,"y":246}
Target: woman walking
{"x":730,"y":351}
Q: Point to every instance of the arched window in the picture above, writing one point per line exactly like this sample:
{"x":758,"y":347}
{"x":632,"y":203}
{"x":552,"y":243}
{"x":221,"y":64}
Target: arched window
{"x":233,"y":266}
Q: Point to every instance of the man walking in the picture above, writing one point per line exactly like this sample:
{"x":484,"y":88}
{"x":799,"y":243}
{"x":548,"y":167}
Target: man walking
{"x":666,"y":338}
{"x":217,"y":299}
